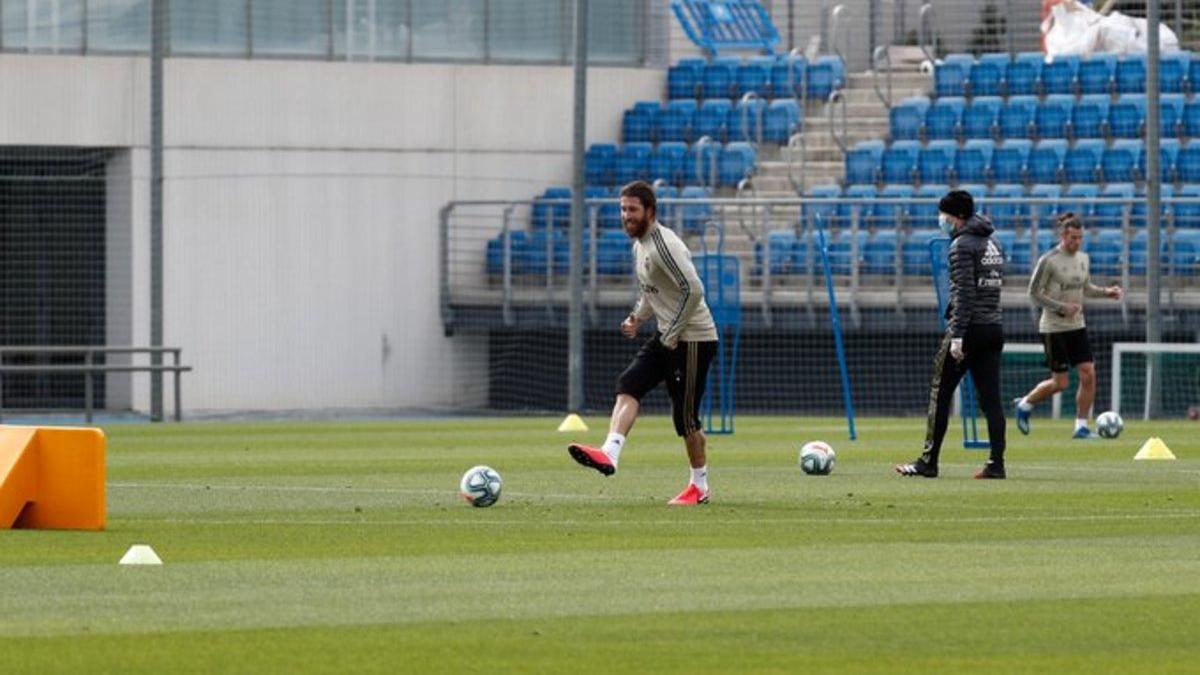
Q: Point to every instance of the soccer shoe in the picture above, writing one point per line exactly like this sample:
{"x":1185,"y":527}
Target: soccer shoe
{"x":691,"y":496}
{"x":1022,"y":417}
{"x":917,"y":468}
{"x":991,"y":470}
{"x":1084,"y":434}
{"x":594,"y":458}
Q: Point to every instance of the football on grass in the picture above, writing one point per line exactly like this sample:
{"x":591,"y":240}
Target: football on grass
{"x":816,"y":458}
{"x":1109,"y":424}
{"x":480,"y":486}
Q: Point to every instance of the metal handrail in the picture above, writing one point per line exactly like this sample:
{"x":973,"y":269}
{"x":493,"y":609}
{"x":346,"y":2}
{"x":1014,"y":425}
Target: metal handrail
{"x":795,"y":141}
{"x":882,"y":54}
{"x":927,"y":14}
{"x":90,"y":369}
{"x":759,"y":111}
{"x":702,"y":144}
{"x":836,"y":21}
{"x":834,"y":99}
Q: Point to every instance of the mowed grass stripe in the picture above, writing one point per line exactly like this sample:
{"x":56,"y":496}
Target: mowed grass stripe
{"x":231,"y":595}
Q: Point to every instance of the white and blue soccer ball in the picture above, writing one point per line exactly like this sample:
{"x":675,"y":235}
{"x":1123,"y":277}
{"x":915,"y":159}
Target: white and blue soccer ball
{"x":817,"y":458}
{"x":480,"y":486}
{"x":1109,"y":424}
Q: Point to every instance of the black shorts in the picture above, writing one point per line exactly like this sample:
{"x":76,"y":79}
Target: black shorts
{"x":685,"y":369}
{"x":1066,"y":350}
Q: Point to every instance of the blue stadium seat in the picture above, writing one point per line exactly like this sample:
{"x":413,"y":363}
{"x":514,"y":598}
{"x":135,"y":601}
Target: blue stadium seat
{"x":865,"y":194}
{"x":669,"y":162}
{"x":907,"y":118}
{"x":1082,"y":162}
{"x":787,"y":76}
{"x":713,"y":118}
{"x":879,"y":253}
{"x":1046,"y":161}
{"x":754,"y":76}
{"x":974,"y":160}
{"x":944,"y":118}
{"x":989,"y":75}
{"x":1061,"y":76}
{"x":1127,"y":117}
{"x":719,"y":77}
{"x":1172,"y":72}
{"x":1137,"y":218}
{"x":1018,"y":118}
{"x":695,"y":215}
{"x":1096,"y":74}
{"x":982,"y":118}
{"x":633,"y":162}
{"x":1043,"y":214}
{"x":599,"y":164}
{"x":978,"y":192}
{"x":547,"y":252}
{"x":1090,"y":119}
{"x":1188,"y":164}
{"x":1185,"y":259}
{"x":1054,"y":116}
{"x":935,"y":162}
{"x":783,"y":119}
{"x":552,"y":215}
{"x":923,"y":214}
{"x":1025,"y":74}
{"x":614,"y":253}
{"x":825,"y":75}
{"x":1191,"y":116}
{"x":822,"y":210}
{"x":640,"y":122}
{"x":1022,"y":254}
{"x":747,"y":120}
{"x":517,"y":242}
{"x":684,"y":78}
{"x":1168,"y":158}
{"x":676,"y":121}
{"x":951,"y":75}
{"x":1120,"y":162}
{"x":1104,"y":247}
{"x":1187,"y":216}
{"x":1007,"y":215}
{"x":1138,"y":253}
{"x":609,"y":216}
{"x":899,"y":161}
{"x":915,"y":251}
{"x":891,"y":215}
{"x":842,"y":258}
{"x":1171,"y":115}
{"x":1080,"y":199}
{"x":1130,"y":75}
{"x":1010,"y":161}
{"x":702,"y":166}
{"x":862,"y":162}
{"x":781,"y":246}
{"x":738,"y":160}
{"x":668,"y":214}
{"x":1111,"y":214}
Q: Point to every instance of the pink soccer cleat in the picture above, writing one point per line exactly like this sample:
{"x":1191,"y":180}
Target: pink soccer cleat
{"x":594,"y":458}
{"x":690,"y":497}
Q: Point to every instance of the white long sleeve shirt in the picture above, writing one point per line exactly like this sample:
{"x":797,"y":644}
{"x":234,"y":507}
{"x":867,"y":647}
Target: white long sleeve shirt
{"x":671,"y":289}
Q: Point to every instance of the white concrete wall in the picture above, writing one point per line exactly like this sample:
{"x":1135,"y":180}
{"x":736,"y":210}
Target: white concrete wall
{"x":301,"y":208}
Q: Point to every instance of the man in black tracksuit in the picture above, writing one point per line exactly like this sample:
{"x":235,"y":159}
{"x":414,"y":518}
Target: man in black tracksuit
{"x":974,"y":335}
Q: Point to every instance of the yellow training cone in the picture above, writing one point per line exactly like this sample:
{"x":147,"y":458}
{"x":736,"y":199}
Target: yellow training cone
{"x":572,"y":422}
{"x":1154,"y":448}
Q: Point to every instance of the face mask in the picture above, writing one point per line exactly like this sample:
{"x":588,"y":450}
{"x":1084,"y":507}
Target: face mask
{"x":945,"y":224}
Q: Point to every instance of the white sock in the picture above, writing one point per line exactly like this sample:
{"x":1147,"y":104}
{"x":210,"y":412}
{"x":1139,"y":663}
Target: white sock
{"x":700,"y":478}
{"x":612,"y":446}
{"x":1024,"y":404}
{"x":1080,"y":423}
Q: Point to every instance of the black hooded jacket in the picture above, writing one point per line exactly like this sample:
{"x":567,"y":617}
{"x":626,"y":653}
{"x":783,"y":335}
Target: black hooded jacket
{"x":976,"y":276}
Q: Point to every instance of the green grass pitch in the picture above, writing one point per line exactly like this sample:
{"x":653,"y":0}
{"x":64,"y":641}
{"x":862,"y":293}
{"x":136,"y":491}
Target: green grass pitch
{"x":344,"y":547}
